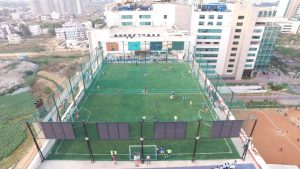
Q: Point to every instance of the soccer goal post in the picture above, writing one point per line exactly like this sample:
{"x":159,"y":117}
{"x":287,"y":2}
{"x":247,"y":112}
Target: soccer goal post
{"x":149,"y":150}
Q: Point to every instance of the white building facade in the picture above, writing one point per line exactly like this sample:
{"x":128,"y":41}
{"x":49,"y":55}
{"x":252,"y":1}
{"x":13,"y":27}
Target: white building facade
{"x":35,"y":30}
{"x":226,"y":37}
{"x":71,"y":31}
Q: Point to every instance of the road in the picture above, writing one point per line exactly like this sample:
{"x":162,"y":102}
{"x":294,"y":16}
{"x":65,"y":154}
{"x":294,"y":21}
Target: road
{"x":279,"y":96}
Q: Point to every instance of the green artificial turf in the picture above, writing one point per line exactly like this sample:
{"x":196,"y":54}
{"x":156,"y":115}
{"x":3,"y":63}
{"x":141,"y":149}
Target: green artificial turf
{"x":116,"y":95}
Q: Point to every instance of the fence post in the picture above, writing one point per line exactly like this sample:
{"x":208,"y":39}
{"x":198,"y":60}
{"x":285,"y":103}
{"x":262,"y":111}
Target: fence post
{"x":72,"y":91}
{"x":87,"y":140}
{"x":145,"y":51}
{"x":57,"y":110}
{"x":206,"y":75}
{"x":246,"y":146}
{"x":142,"y":141}
{"x":216,"y":88}
{"x":229,"y":108}
{"x":82,"y":76}
{"x":35,"y":142}
{"x":123,"y":51}
{"x":196,"y":140}
{"x":167,"y":53}
{"x":253,"y":127}
{"x":91,"y":66}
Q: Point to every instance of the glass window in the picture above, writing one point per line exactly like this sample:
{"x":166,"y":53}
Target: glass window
{"x":230,"y":65}
{"x":126,"y":23}
{"x":260,"y":13}
{"x":241,"y":17}
{"x":220,"y":16}
{"x":219,"y":23}
{"x":238,"y":30}
{"x":232,"y":54}
{"x":274,"y":13}
{"x":239,"y":24}
{"x":251,"y":54}
{"x":265,"y":13}
{"x":236,"y":37}
{"x":252,"y":49}
{"x":126,"y":16}
{"x":231,"y":60}
{"x":255,"y":37}
{"x":269,"y":13}
{"x":165,"y":16}
{"x":229,"y":71}
{"x":145,"y":16}
{"x":235,"y":43}
{"x":208,"y":37}
{"x":249,"y":60}
{"x":248,"y":65}
{"x":234,"y":49}
{"x":210,"y":30}
{"x":211,"y":16}
{"x":202,"y":17}
{"x":145,"y":23}
{"x":210,"y":55}
{"x":257,"y":30}
{"x":207,"y":49}
{"x":201,"y":23}
{"x":210,"y":23}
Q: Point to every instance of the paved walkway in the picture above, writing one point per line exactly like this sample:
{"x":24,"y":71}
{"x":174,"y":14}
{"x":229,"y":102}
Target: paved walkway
{"x":72,"y":164}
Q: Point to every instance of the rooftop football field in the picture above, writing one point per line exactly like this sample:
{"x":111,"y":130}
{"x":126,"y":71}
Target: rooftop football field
{"x":130,"y":92}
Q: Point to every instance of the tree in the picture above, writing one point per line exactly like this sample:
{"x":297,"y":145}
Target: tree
{"x":24,"y":30}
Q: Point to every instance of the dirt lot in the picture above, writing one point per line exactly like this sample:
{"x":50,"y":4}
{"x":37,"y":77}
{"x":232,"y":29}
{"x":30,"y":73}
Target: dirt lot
{"x":275,"y":131}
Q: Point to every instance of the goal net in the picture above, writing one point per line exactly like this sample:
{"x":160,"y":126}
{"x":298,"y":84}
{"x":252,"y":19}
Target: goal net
{"x":149,"y":150}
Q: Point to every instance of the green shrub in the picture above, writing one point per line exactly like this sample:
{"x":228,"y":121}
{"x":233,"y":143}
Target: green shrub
{"x":47,"y":90}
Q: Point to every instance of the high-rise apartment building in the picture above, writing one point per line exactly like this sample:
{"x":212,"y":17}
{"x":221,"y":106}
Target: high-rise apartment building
{"x":62,"y":7}
{"x":231,"y":39}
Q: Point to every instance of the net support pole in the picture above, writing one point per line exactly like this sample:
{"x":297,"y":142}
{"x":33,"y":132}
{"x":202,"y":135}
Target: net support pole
{"x":142,"y":141}
{"x":123,"y":51}
{"x":246,"y":146}
{"x":216,"y":89}
{"x":36,"y":144}
{"x":188,"y":56}
{"x":57,"y":110}
{"x":230,"y":104}
{"x":73,"y":97}
{"x":87,"y":140}
{"x":167,"y":53}
{"x":196,"y":141}
{"x":206,"y":75}
{"x":145,"y":50}
{"x":97,"y":57}
{"x":82,"y":76}
{"x":253,"y":128}
{"x":91,"y":66}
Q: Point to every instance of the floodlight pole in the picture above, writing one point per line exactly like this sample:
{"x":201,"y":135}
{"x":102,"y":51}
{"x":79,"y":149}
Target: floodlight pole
{"x":91,"y":66}
{"x":87,"y":140}
{"x":196,"y":141}
{"x":82,"y":76}
{"x":35,"y":142}
{"x":72,"y":91}
{"x":142,"y":141}
{"x":57,"y":110}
